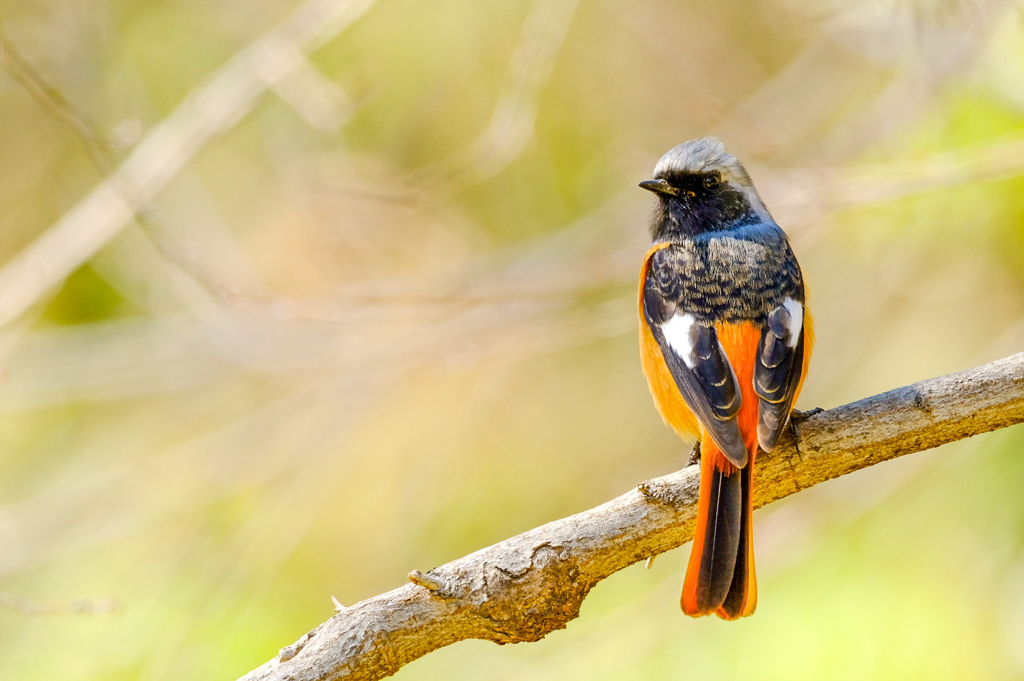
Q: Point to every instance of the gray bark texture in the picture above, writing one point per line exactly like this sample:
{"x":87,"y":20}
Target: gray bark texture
{"x":525,"y":587}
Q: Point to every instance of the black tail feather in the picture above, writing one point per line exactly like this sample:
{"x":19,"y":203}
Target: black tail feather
{"x":735,"y":600}
{"x":722,"y":539}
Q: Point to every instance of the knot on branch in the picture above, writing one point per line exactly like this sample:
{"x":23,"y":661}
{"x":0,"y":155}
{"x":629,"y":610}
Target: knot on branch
{"x":288,"y":652}
{"x":431,"y":581}
{"x":526,"y":603}
{"x":659,"y":491}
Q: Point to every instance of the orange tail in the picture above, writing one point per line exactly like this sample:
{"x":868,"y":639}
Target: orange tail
{"x":720,"y":577}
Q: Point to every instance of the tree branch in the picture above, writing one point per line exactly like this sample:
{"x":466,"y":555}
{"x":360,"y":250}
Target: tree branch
{"x":530,"y":585}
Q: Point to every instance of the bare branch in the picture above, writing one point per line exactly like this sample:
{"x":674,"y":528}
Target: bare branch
{"x":211,"y":109}
{"x":525,"y":587}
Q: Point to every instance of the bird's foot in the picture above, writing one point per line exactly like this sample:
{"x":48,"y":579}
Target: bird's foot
{"x":796,"y":415}
{"x":795,"y":419}
{"x":694,"y":455}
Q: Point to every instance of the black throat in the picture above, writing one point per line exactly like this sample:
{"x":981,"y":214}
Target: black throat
{"x":697,"y":210}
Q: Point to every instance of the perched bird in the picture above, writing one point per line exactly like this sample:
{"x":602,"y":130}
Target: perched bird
{"x":724,"y":343}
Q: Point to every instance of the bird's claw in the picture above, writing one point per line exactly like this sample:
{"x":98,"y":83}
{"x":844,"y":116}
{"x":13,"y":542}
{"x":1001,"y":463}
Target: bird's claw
{"x":796,"y":415}
{"x":694,"y":455}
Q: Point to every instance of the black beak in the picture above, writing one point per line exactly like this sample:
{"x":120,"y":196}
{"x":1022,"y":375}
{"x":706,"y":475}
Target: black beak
{"x":659,"y":187}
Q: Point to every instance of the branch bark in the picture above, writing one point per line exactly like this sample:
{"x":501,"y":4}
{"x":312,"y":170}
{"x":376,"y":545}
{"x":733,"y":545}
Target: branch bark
{"x":525,"y":587}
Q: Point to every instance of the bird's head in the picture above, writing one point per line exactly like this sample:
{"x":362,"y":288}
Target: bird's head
{"x":702,"y":188}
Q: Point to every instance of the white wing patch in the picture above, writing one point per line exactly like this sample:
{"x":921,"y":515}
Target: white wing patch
{"x":795,"y":321}
{"x":677,"y":335}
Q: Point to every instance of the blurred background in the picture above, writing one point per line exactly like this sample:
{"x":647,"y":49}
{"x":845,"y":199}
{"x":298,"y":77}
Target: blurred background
{"x":375,"y":310}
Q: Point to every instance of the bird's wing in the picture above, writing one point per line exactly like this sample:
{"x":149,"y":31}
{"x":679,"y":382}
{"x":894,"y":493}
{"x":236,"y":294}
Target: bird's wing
{"x":694,"y":356}
{"x":778,"y":370}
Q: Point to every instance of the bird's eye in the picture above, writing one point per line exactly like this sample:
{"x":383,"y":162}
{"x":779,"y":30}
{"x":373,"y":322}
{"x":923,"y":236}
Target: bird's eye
{"x":712,"y":182}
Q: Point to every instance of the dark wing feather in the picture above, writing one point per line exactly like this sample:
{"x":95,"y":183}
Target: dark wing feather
{"x":709,"y":387}
{"x":776,"y":376}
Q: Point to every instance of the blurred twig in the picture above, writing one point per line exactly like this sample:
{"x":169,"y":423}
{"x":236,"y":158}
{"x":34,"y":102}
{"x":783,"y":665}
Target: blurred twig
{"x":524,"y":588}
{"x":803,"y":198}
{"x":53,"y":101}
{"x":997,"y":159}
{"x":315,"y":97}
{"x":26,"y":607}
{"x":96,"y":145}
{"x":210,"y":109}
{"x":512,"y":122}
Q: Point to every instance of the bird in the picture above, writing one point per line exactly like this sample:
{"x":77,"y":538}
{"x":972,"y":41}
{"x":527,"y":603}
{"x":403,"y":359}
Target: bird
{"x":725,"y":342}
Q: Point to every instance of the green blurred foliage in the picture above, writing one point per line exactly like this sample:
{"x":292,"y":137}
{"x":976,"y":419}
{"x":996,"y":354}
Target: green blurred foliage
{"x":85,"y":298}
{"x":336,"y":355}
